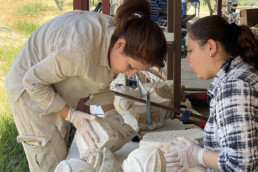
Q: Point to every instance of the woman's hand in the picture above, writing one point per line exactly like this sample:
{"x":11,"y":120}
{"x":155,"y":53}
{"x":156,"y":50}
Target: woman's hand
{"x":81,"y":121}
{"x":187,"y":157}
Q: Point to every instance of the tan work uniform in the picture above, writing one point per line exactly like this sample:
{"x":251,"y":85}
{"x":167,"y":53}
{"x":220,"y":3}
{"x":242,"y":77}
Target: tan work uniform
{"x":66,"y":59}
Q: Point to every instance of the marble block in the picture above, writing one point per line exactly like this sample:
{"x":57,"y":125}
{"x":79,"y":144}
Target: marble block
{"x":102,"y":161}
{"x":167,"y":141}
{"x":112,"y":135}
{"x":163,"y":88}
{"x":74,"y":165}
{"x":147,"y":159}
{"x":92,"y":161}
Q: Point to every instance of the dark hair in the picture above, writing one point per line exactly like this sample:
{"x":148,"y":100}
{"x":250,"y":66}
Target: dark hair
{"x":237,"y":40}
{"x":145,"y":40}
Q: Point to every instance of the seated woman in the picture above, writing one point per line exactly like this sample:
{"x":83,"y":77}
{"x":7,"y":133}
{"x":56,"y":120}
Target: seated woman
{"x":228,"y":53}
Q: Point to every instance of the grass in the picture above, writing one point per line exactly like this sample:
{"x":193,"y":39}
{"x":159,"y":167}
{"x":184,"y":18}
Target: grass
{"x":12,"y":156}
{"x":7,"y":55}
{"x":33,"y":9}
{"x":25,"y":27}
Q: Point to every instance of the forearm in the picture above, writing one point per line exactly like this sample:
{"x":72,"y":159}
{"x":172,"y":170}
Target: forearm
{"x":210,"y":159}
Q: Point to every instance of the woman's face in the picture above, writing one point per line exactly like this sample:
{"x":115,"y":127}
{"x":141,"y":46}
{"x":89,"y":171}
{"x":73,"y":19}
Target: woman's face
{"x":120,"y":63}
{"x":199,"y":58}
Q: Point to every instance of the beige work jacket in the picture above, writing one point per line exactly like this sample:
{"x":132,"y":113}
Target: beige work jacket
{"x":66,"y":59}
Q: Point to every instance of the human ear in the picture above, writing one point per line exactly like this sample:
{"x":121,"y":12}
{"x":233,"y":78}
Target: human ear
{"x":120,"y":43}
{"x":212,"y":47}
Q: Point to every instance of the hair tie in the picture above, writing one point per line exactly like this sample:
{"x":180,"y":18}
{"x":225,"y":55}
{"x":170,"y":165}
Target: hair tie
{"x":139,"y":15}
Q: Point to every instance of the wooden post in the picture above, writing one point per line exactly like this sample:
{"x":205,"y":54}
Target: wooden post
{"x":174,"y":50}
{"x":81,"y":5}
{"x":219,"y":7}
{"x":170,"y":29}
{"x":106,"y":7}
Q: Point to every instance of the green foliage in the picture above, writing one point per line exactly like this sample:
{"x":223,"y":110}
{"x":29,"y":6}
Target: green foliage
{"x":25,"y":28}
{"x":59,"y":4}
{"x":12,"y":156}
{"x":7,"y":55}
{"x":33,"y":9}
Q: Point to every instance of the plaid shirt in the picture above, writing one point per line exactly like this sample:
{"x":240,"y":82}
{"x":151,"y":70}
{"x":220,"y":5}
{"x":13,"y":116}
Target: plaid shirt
{"x":232,"y":128}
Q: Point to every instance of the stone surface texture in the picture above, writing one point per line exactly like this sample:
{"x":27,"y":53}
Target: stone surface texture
{"x":147,"y":159}
{"x":93,"y":161}
{"x":74,"y":165}
{"x":102,"y":161}
{"x":167,"y":141}
{"x":112,"y":135}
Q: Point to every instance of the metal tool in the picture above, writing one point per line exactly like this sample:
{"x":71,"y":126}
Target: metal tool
{"x":148,"y":110}
{"x":141,"y":89}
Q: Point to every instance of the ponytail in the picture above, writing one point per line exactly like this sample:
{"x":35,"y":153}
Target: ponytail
{"x":248,"y":46}
{"x":145,"y":40}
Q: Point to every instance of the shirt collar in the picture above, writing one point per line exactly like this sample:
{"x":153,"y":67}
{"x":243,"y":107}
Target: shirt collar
{"x":226,"y":67}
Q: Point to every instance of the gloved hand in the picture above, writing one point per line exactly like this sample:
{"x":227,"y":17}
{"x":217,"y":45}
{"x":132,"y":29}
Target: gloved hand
{"x":187,"y":157}
{"x":114,"y":115}
{"x":81,"y":121}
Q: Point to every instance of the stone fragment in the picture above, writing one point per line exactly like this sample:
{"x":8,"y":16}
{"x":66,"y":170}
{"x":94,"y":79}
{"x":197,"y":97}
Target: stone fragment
{"x":74,"y":165}
{"x":102,"y":161}
{"x":167,"y":141}
{"x":147,"y":159}
{"x":92,"y":161}
{"x":112,"y":135}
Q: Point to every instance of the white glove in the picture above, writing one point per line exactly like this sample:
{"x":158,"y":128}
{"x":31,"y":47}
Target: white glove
{"x":187,"y":157}
{"x":114,"y":115}
{"x":81,"y":121}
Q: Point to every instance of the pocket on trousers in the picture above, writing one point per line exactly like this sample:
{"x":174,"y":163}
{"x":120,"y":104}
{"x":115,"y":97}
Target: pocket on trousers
{"x":39,"y":152}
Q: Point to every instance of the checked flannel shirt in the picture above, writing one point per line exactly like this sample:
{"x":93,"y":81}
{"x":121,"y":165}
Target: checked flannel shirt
{"x":232,"y":128}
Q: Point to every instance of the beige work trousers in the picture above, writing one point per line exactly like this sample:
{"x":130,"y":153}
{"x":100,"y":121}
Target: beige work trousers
{"x":44,"y":138}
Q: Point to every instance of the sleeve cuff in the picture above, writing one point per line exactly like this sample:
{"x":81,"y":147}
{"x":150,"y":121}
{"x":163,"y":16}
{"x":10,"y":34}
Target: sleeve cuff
{"x":56,"y":105}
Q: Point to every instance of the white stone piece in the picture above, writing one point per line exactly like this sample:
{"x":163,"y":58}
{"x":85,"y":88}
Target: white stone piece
{"x":112,"y":135}
{"x":119,"y":80}
{"x":74,"y":165}
{"x":93,"y":157}
{"x":102,"y":161}
{"x":109,"y":162}
{"x":167,"y":141}
{"x":131,"y":110}
{"x":148,"y":159}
